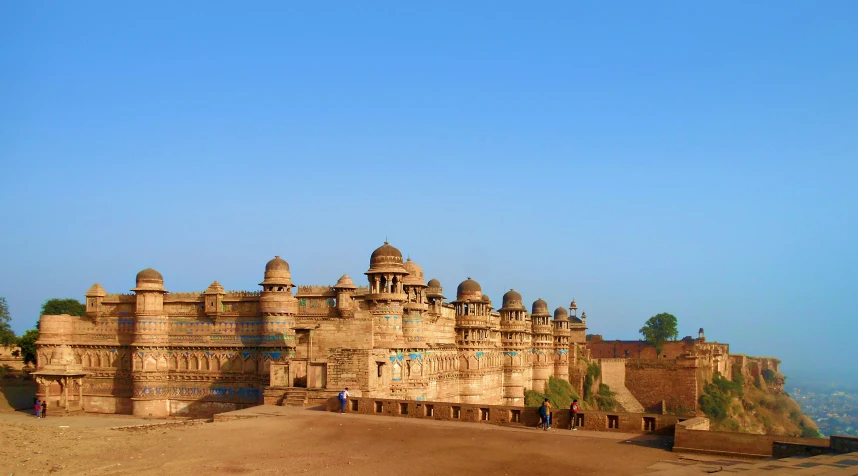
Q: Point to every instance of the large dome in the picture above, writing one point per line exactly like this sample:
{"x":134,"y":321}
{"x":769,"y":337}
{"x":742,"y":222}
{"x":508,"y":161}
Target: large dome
{"x":415,"y":274}
{"x":469,"y":289}
{"x":512,"y":301}
{"x":277,"y":273}
{"x":561,"y":314}
{"x":386,"y":259}
{"x":149,"y":280}
{"x":540,"y":308}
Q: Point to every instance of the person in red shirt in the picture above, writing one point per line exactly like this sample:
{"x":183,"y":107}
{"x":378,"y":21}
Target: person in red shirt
{"x":573,"y":413}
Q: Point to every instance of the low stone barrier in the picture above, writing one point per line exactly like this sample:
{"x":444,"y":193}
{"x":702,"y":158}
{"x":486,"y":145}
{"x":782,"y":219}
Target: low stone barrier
{"x":507,"y":415}
{"x":692,"y":436}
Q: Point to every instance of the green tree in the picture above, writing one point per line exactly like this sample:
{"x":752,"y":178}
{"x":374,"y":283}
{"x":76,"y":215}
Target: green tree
{"x":69,"y":306}
{"x":658,"y":329}
{"x":7,"y":336}
{"x":28,"y":345}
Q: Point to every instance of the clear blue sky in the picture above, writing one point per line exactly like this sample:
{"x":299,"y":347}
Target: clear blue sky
{"x":641,"y":157}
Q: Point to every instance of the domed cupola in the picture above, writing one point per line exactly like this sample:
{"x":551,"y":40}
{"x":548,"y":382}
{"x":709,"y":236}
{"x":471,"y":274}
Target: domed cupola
{"x":512,"y":301}
{"x":469,"y":290}
{"x":540,"y":308}
{"x":386,"y":259}
{"x":434,"y":289}
{"x":149,"y":280}
{"x":415,"y":274}
{"x":561,"y":314}
{"x":278,"y":277}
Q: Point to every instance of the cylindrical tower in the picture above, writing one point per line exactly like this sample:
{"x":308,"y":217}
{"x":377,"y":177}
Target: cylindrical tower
{"x":386,"y":296}
{"x":561,"y":343}
{"x":345,"y":289}
{"x":542,"y":344}
{"x":473,"y":341}
{"x":515,"y":339}
{"x":415,"y":307}
{"x":150,"y":384}
{"x":277,"y":306}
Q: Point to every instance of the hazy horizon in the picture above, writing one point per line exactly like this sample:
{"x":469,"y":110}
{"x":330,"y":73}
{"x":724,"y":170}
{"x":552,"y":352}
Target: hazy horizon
{"x":692,"y":159}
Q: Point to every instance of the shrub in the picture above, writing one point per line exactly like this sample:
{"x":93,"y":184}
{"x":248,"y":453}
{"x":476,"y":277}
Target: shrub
{"x":605,"y":398}
{"x":560,"y":394}
{"x":769,"y":375}
{"x":593,"y":372}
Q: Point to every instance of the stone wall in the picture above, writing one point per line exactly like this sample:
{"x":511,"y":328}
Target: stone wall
{"x":652,"y":381}
{"x":507,"y":415}
{"x":725,"y":443}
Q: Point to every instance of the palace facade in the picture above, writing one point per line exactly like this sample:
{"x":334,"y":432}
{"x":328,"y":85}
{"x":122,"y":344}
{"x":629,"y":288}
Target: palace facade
{"x":159,"y":353}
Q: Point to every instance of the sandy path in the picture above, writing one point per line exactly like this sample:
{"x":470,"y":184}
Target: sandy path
{"x":317,"y":443}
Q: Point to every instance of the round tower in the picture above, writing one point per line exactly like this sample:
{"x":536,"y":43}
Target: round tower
{"x":386,"y":296}
{"x":473,"y":341}
{"x":345,"y":289}
{"x":542,"y":344}
{"x":415,"y":306}
{"x":561,"y":343}
{"x":277,"y":306}
{"x":150,"y":383}
{"x":515,"y":340}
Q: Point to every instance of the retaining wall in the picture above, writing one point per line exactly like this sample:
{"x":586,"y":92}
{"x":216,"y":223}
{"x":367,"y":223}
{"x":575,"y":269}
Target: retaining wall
{"x":507,"y":415}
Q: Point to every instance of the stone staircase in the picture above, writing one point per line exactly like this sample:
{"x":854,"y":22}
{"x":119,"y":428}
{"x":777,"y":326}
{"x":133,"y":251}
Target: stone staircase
{"x":614,"y":376}
{"x":295,"y":397}
{"x":627,"y":400}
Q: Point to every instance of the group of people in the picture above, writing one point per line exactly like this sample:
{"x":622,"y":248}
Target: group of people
{"x":545,"y":415}
{"x":41,"y":408}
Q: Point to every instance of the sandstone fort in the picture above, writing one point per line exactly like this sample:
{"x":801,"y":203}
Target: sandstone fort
{"x":159,"y":353}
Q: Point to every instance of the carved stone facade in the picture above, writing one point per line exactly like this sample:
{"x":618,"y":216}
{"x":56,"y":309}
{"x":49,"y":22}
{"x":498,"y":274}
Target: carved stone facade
{"x":156,"y":353}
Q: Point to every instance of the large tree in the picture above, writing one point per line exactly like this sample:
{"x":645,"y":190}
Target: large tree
{"x":69,"y":306}
{"x":28,"y":345}
{"x":658,"y":329}
{"x":7,"y":336}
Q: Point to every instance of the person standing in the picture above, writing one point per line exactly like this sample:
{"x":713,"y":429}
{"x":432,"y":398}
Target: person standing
{"x":573,"y":414}
{"x":344,"y":397}
{"x":545,"y":414}
{"x":38,"y":409}
{"x":44,"y":408}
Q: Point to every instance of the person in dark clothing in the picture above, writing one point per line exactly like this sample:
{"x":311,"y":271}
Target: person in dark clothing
{"x":44,"y":408}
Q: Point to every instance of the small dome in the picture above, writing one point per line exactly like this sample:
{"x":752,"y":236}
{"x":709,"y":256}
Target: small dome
{"x":540,"y":308}
{"x":469,"y":289}
{"x":415,"y":274}
{"x":512,"y":300}
{"x":573,"y":305}
{"x":434,"y":289}
{"x":486,"y":298}
{"x":561,"y":314}
{"x":277,"y":264}
{"x":277,"y":273}
{"x":345,"y":282}
{"x":149,"y":280}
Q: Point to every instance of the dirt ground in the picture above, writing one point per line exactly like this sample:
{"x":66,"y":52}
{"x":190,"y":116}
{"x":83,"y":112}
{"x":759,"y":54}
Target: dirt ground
{"x":312,"y":442}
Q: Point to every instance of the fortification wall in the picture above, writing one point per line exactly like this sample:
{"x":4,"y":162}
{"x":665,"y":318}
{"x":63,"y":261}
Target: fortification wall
{"x":651,"y":382}
{"x":507,"y":415}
